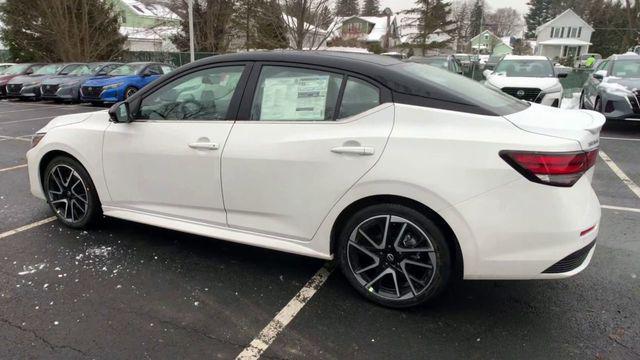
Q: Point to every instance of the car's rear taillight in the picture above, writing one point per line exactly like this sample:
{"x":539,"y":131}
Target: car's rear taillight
{"x":551,"y":168}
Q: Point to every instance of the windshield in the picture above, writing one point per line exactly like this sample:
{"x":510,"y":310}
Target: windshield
{"x":626,"y":68}
{"x":82,"y":70}
{"x":473,"y":92}
{"x":463,"y":57}
{"x":127,"y":70}
{"x":16,"y":69}
{"x":48,"y":69}
{"x":525,"y":68}
{"x":494,"y":58}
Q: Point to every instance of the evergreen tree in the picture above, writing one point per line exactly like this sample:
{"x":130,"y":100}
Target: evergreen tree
{"x":371,"y":8}
{"x":346,"y":8}
{"x":62,"y":30}
{"x":476,"y":18}
{"x":540,"y":11}
{"x":211,"y":26}
{"x":433,"y":15}
{"x":271,"y":31}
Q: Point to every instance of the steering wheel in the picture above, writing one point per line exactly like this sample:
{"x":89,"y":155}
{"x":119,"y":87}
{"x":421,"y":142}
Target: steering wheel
{"x":189,"y":108}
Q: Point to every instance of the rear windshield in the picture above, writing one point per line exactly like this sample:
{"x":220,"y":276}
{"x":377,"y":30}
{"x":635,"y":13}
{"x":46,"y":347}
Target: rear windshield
{"x":473,"y":92}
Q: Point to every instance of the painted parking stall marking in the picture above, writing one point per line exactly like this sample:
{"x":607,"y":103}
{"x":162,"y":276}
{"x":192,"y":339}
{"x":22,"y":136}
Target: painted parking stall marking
{"x":616,"y":169}
{"x":620,"y":208}
{"x":26,"y":227}
{"x":13,"y":168}
{"x":266,"y":337}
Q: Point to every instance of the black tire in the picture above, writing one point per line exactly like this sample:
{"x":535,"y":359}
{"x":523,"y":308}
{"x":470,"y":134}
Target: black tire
{"x":93,"y":208}
{"x":434,"y":280}
{"x":128,"y":92}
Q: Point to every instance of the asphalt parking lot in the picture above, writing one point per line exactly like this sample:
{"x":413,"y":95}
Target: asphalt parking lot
{"x":132,"y":291}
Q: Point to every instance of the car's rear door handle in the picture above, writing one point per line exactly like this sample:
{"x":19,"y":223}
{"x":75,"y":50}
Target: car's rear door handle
{"x":204,"y":146}
{"x":355,"y":150}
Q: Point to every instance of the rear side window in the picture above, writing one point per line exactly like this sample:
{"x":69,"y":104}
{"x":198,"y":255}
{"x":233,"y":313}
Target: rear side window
{"x":295,"y":94}
{"x":358,"y":97}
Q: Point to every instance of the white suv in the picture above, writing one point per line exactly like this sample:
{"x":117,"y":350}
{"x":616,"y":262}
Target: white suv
{"x":529,"y":78}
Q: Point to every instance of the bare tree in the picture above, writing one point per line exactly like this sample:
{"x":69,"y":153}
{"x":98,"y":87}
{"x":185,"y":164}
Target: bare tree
{"x":461,"y":16}
{"x":303,"y":22}
{"x":504,"y":21}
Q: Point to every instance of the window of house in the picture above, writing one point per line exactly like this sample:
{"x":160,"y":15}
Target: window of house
{"x":579,"y":31}
{"x":552,"y":31}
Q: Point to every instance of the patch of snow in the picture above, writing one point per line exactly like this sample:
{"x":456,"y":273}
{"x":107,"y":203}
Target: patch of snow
{"x":572,"y":103}
{"x":32,"y":268}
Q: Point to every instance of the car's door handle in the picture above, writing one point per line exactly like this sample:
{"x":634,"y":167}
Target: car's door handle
{"x":356,"y":150}
{"x":204,"y":146}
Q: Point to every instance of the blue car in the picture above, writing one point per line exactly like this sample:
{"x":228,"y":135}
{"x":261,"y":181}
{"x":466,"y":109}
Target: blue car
{"x":122,"y":82}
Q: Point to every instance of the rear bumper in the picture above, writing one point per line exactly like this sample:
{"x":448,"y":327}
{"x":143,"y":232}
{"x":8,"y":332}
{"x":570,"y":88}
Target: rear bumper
{"x":523,"y":229}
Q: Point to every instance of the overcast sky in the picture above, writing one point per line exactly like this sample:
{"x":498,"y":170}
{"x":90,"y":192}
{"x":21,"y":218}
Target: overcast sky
{"x":396,"y":5}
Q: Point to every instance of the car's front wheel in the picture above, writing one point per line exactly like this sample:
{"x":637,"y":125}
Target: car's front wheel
{"x":129,"y":92}
{"x":394,"y":255}
{"x":70,"y":193}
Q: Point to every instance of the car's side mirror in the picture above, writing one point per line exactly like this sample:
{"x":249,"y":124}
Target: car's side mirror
{"x":29,"y":72}
{"x":120,"y":113}
{"x":487,"y":73}
{"x":562,"y":75}
{"x":600,"y":74}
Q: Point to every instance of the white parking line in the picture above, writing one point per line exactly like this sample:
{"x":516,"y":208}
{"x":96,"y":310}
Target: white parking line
{"x":35,"y":108}
{"x":275,"y":327}
{"x":26,"y":227}
{"x":620,"y":208}
{"x":13,"y":168}
{"x":618,"y":138}
{"x":625,"y":179}
{"x":21,"y":138}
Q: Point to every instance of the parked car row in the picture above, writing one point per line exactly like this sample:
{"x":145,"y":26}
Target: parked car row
{"x":97,"y":83}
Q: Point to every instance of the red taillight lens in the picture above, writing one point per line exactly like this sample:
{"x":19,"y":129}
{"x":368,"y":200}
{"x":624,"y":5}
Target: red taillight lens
{"x":557,"y":169}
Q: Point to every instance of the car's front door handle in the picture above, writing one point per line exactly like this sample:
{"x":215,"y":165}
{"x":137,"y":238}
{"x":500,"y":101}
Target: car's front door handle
{"x":355,"y":150}
{"x":204,"y":146}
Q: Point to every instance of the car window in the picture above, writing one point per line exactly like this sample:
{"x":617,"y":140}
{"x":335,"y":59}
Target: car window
{"x":51,"y":69}
{"x":627,"y":68}
{"x":128,"y":69}
{"x":295,"y":94}
{"x":472,"y":92}
{"x":166,"y":69}
{"x":525,"y":68}
{"x":602,"y":66}
{"x":358,"y":97}
{"x":202,"y":95}
{"x":69,"y":68}
{"x":154,"y":70}
{"x":81,"y":70}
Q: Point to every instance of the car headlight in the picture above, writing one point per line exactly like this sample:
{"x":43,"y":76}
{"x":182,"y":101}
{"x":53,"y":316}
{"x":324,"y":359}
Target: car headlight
{"x":35,"y":140}
{"x":112,"y":86}
{"x":554,"y":89}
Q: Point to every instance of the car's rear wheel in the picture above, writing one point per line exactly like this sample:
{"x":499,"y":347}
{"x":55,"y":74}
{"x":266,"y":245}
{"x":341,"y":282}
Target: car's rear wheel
{"x":128,"y":92}
{"x":70,"y":193}
{"x":394,"y":255}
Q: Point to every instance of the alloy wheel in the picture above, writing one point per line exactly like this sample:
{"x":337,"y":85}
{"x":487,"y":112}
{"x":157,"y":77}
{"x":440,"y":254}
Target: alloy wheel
{"x":67,"y":193}
{"x":391,"y":257}
{"x":129,"y":93}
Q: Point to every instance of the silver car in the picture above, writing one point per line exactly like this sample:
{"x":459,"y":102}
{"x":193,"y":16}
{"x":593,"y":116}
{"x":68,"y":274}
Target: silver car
{"x":613,"y":89}
{"x":67,"y":87}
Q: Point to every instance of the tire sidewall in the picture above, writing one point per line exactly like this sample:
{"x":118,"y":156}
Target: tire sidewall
{"x":442,"y":252}
{"x":93,"y":208}
{"x":129,"y":89}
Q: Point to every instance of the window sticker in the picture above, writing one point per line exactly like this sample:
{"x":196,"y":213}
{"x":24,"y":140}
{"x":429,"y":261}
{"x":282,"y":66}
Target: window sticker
{"x":295,"y":98}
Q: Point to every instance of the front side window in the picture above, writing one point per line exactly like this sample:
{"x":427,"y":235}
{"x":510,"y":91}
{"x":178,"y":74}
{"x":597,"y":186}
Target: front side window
{"x":358,"y":97}
{"x":295,"y":94}
{"x":472,"y":92}
{"x":202,"y":95}
{"x":525,"y":68}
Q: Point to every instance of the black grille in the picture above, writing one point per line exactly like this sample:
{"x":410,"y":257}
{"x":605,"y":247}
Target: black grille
{"x":528,"y":94}
{"x":14,"y":89}
{"x":3,"y":91}
{"x":49,"y":89}
{"x":570,"y":262}
{"x":635,"y":101}
{"x":92,"y":91}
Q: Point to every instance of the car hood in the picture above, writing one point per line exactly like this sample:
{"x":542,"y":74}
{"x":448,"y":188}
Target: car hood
{"x":523,"y":82}
{"x":66,"y":120}
{"x":109,"y":80}
{"x":581,"y":125}
{"x":63,"y":80}
{"x":5,"y":78}
{"x":614,"y":84}
{"x":29,"y":78}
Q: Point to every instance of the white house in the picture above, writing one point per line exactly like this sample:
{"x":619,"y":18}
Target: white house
{"x":565,"y":36}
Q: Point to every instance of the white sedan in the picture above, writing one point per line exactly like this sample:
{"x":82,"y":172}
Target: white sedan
{"x":405,"y":174}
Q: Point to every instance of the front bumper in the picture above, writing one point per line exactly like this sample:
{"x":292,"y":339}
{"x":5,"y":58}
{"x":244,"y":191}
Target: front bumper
{"x":24,"y":92}
{"x":62,"y":93}
{"x":616,"y":107}
{"x":106,"y":96}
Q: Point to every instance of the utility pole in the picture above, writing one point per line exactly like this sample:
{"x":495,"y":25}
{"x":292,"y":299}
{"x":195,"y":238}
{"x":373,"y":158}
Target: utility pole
{"x":192,"y":47}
